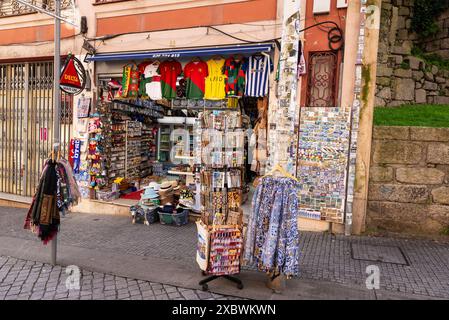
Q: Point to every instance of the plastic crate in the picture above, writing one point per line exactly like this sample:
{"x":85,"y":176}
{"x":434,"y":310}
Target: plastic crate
{"x":179,"y":219}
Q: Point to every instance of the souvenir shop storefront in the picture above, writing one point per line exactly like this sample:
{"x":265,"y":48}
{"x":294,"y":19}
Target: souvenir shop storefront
{"x":191,"y":133}
{"x":167,"y":124}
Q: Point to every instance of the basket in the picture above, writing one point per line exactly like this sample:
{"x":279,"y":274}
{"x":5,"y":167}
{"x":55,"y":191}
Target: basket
{"x":179,"y":219}
{"x":138,"y":216}
{"x":151,"y":216}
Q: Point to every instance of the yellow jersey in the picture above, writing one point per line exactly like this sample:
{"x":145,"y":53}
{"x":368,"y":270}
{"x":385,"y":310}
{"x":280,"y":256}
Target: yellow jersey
{"x":215,"y":82}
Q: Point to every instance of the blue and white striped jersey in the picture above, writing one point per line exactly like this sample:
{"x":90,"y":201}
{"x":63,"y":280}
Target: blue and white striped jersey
{"x":257,"y":76}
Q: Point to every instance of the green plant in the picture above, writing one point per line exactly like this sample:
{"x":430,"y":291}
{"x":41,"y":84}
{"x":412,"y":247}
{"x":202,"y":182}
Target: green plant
{"x":431,"y":59}
{"x":405,"y":65}
{"x":425,"y":13}
{"x":445,"y":231}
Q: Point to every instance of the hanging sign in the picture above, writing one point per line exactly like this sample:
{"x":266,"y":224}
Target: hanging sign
{"x":73,"y":77}
{"x":71,"y":152}
{"x":75,"y":155}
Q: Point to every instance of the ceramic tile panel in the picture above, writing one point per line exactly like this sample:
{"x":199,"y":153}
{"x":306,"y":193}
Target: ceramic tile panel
{"x":322,"y":162}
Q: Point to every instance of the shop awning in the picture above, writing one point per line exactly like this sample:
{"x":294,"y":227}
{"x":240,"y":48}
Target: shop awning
{"x":179,"y":53}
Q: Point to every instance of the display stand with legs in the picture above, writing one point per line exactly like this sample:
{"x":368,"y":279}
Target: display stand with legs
{"x":205,"y":287}
{"x":221,"y":197}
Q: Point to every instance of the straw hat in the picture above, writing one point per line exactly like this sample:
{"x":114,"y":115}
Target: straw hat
{"x":175,"y":185}
{"x":167,"y":197}
{"x":165,"y":186}
{"x":166,"y":192}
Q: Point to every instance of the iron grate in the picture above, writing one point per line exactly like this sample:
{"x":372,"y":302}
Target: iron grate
{"x":382,"y":254}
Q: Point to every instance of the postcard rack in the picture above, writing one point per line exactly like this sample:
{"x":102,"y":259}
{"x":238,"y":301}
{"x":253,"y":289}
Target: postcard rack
{"x":222,"y":163}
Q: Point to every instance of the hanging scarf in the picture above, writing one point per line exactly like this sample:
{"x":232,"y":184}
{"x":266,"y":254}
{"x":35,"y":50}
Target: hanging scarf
{"x":56,"y":192}
{"x":272,"y":240}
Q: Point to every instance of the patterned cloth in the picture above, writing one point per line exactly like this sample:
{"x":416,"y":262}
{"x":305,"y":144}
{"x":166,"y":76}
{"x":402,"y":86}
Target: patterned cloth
{"x":272,"y":240}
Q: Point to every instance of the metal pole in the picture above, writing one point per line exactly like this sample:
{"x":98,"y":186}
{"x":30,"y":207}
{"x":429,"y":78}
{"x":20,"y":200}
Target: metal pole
{"x":57,"y":102}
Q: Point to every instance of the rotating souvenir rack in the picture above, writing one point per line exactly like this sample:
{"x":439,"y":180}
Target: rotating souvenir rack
{"x":222,"y":159}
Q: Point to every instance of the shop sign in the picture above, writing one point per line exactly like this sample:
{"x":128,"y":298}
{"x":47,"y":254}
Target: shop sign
{"x":165,"y":55}
{"x":77,"y":156}
{"x":43,"y":134}
{"x":73,"y":77}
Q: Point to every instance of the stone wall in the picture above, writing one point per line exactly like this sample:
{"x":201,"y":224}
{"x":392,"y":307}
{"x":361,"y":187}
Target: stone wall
{"x":401,"y":77}
{"x":409,"y":180}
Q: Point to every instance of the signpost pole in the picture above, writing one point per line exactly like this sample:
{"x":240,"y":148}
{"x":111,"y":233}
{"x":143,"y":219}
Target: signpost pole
{"x":57,"y":104}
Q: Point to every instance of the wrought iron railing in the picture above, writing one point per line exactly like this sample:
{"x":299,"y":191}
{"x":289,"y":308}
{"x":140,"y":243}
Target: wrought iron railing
{"x":10,"y":8}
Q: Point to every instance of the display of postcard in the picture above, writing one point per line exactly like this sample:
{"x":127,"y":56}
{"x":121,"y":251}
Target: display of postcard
{"x":235,"y":140}
{"x":218,"y":179}
{"x":82,"y":125}
{"x":233,"y":179}
{"x":217,"y":158}
{"x":234,"y":158}
{"x":84,"y":107}
{"x":232,"y":121}
{"x":218,"y":121}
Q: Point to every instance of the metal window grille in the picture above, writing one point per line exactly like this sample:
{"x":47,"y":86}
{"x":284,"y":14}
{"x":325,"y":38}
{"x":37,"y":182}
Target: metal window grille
{"x":26,"y":124}
{"x":321,"y":85}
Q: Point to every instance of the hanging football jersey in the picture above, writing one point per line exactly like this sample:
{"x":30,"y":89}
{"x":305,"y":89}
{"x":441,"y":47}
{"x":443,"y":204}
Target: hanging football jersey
{"x":169,"y":70}
{"x":258,"y":75}
{"x":215,"y":82}
{"x":235,"y":77}
{"x":195,"y":73}
{"x":153,"y":81}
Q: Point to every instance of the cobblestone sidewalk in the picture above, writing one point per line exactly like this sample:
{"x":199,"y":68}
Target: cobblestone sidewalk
{"x":407,"y":266}
{"x":28,"y":280}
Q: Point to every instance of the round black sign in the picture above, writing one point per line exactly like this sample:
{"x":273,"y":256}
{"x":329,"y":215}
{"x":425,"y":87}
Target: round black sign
{"x":73,"y":76}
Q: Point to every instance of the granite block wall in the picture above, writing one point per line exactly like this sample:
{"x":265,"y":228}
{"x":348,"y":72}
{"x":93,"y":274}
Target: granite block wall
{"x":401,"y":77}
{"x":409,"y":180}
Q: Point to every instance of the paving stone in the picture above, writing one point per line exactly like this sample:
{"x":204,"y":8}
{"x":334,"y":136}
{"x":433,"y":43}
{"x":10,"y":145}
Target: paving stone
{"x":324,"y":257}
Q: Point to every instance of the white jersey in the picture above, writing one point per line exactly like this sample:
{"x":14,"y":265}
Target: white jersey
{"x":153,"y":86}
{"x":257,"y":76}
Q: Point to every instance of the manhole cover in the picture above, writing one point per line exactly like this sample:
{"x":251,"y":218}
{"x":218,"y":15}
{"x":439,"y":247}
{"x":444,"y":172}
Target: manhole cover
{"x":386,"y":254}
